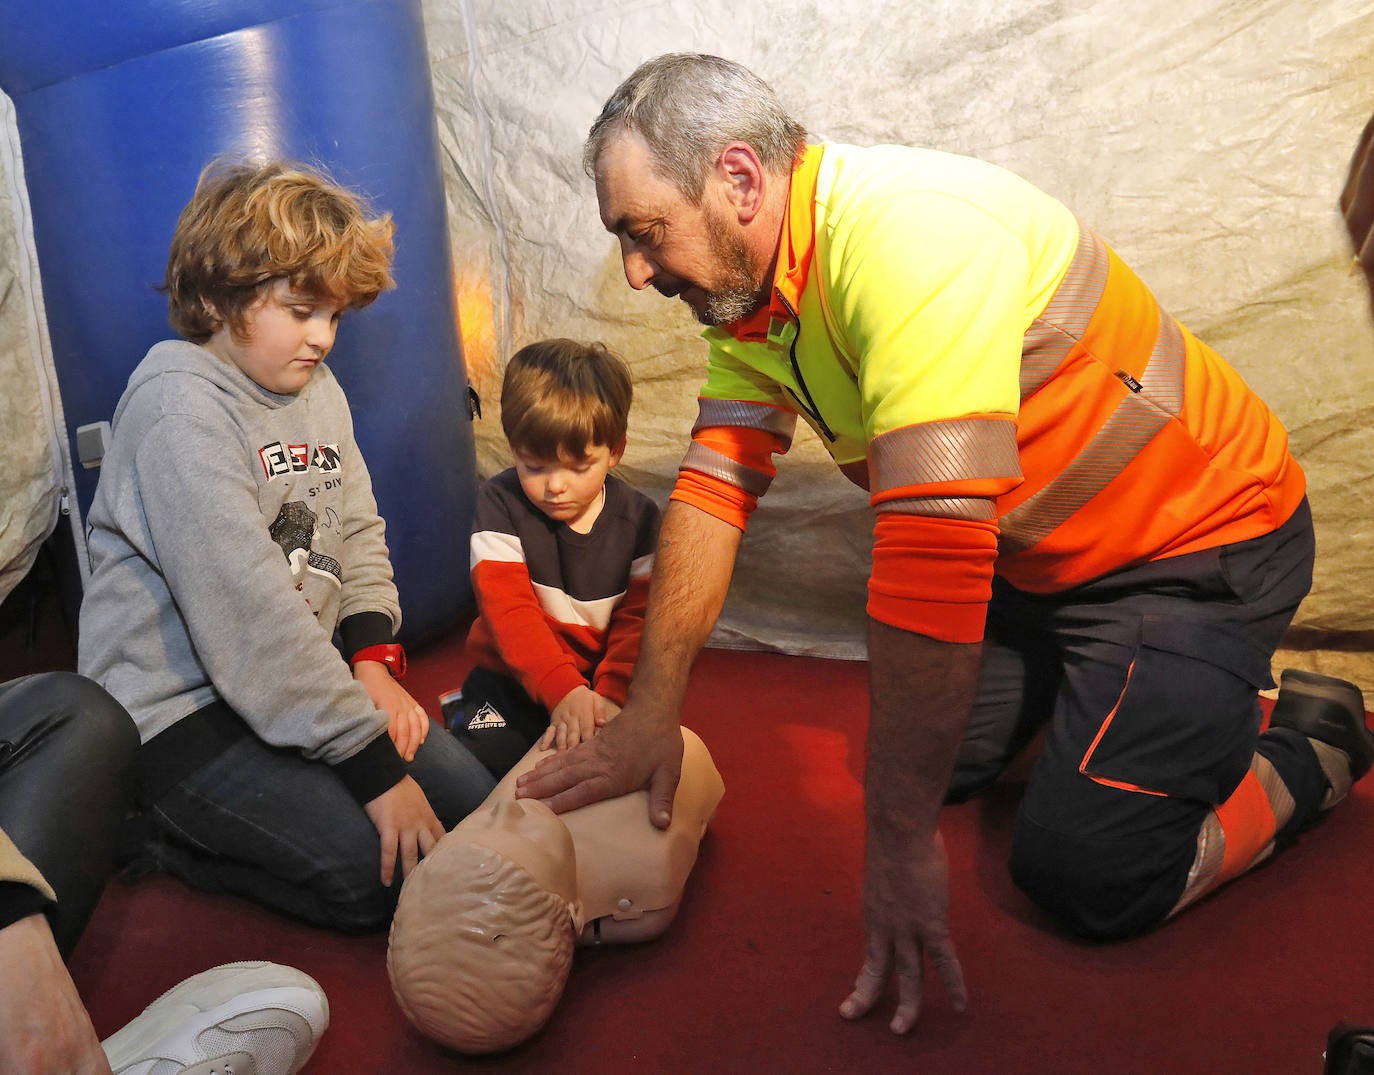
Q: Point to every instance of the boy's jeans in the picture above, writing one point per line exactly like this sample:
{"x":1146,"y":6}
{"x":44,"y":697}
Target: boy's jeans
{"x":268,"y":824}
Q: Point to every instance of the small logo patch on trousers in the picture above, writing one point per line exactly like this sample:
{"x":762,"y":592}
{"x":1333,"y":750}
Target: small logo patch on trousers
{"x":486,"y":717}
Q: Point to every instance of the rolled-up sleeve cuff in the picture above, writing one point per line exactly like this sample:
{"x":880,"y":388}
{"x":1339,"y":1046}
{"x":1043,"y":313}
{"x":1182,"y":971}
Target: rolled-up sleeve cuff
{"x":945,"y":622}
{"x":374,"y":769}
{"x":363,"y":629}
{"x":716,"y":498}
{"x":557,"y":684}
{"x":932,"y":576}
{"x":18,"y":900}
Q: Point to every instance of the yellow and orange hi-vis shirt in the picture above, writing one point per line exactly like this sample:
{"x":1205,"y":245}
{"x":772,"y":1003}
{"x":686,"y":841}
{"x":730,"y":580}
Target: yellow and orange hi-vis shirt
{"x":1016,"y":396}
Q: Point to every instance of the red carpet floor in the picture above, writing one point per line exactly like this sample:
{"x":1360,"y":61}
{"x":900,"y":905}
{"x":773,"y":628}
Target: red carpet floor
{"x":768,"y":941}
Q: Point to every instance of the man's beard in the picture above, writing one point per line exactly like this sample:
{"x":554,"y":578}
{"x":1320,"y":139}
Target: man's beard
{"x":738,"y":291}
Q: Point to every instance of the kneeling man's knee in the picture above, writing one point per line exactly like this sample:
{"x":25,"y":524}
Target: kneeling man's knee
{"x":1098,"y":888}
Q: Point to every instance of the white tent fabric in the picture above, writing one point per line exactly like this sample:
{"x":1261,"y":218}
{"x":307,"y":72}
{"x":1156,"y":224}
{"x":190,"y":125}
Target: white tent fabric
{"x":1207,"y":147}
{"x":36,"y":472}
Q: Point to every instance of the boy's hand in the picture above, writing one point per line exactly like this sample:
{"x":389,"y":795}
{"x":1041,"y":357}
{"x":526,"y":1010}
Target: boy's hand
{"x":407,"y":721}
{"x":407,"y":824}
{"x":612,"y":709}
{"x":574,"y":719}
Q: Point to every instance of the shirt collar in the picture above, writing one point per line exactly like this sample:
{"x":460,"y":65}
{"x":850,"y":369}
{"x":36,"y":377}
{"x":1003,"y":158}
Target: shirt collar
{"x":795,"y":247}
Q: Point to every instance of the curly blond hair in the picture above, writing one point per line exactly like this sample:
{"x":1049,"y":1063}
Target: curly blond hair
{"x":248,"y":225}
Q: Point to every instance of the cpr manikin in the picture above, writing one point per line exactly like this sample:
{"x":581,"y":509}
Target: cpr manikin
{"x":482,"y":941}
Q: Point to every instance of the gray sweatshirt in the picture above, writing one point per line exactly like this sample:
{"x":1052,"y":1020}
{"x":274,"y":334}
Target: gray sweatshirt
{"x":232,"y":529}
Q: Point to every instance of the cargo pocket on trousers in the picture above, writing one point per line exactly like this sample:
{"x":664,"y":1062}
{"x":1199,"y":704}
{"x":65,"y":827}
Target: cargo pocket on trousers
{"x":1187,"y":722}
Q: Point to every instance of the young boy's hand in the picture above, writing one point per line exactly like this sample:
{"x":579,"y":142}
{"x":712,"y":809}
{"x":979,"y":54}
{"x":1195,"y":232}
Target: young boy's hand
{"x":407,"y":721}
{"x":407,"y":824}
{"x":611,"y":711}
{"x":574,"y":719}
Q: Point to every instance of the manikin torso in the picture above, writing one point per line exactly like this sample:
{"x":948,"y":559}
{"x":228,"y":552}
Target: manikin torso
{"x":629,"y":875}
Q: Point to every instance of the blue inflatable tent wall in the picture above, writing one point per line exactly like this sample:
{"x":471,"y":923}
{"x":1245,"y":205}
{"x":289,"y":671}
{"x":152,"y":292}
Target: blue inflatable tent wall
{"x":119,"y":106}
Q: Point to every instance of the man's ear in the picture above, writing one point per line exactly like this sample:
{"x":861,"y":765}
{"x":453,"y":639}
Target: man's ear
{"x":616,"y":453}
{"x":211,"y":312}
{"x":746,"y":180}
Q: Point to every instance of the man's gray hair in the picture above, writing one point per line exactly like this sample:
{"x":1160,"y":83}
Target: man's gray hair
{"x":688,"y":107}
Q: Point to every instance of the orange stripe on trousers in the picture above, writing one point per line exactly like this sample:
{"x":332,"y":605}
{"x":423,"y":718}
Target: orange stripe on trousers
{"x":1247,"y":820}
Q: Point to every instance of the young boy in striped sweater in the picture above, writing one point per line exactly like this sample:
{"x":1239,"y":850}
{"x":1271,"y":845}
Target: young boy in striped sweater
{"x":561,"y":555}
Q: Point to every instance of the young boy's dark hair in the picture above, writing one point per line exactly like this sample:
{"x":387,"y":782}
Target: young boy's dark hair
{"x":248,"y":225}
{"x":559,"y":397}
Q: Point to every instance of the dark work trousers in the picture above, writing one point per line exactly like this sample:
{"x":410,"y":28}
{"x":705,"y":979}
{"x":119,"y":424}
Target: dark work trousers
{"x":499,"y":721}
{"x":1146,"y":682}
{"x":67,"y":753}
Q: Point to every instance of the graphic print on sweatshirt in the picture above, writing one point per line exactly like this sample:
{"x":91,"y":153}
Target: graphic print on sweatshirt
{"x":295,"y":532}
{"x":296,"y":529}
{"x":280,"y":459}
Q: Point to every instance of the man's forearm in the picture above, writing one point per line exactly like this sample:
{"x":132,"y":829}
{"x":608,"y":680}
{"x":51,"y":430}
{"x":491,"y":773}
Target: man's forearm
{"x":921,"y":694}
{"x":692,"y":567}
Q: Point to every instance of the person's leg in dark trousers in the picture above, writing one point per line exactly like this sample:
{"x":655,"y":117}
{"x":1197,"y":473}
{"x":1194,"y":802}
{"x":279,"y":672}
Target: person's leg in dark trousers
{"x":1017,"y":686}
{"x":1153,"y":769}
{"x":67,"y":754}
{"x":499,"y":721}
{"x":268,"y":824}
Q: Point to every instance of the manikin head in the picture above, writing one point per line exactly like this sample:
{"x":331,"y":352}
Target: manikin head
{"x":484,"y":932}
{"x":482,"y":941}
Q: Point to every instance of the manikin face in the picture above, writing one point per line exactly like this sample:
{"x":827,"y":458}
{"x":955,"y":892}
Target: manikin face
{"x":287,"y":336}
{"x":568,"y":490}
{"x":482,"y":941}
{"x":687,"y":251}
{"x":530,"y":835}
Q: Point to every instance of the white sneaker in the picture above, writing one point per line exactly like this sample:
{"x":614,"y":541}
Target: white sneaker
{"x":238,"y":1019}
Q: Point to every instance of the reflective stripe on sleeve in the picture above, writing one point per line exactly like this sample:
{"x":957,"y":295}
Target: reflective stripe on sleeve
{"x":732,"y":412}
{"x":952,"y":451}
{"x":717,"y":465}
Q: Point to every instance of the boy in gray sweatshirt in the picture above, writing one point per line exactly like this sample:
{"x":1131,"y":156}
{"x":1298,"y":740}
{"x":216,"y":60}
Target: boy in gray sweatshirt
{"x":232,"y":533}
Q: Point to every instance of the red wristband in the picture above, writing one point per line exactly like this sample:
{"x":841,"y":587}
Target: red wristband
{"x":389,"y":654}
